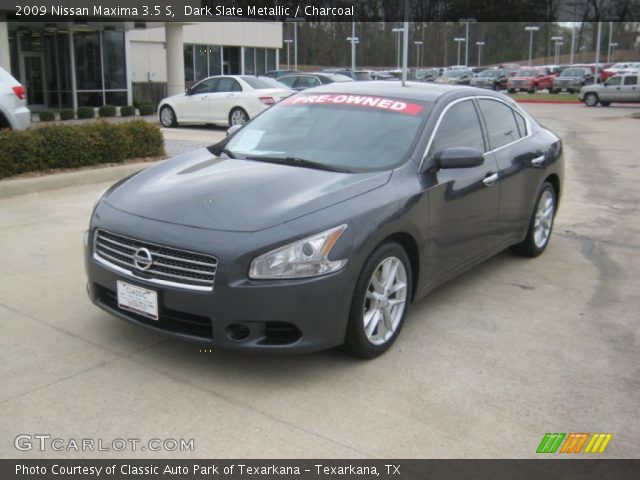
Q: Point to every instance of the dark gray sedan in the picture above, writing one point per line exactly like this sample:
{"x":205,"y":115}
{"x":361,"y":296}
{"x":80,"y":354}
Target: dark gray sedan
{"x":320,"y":221}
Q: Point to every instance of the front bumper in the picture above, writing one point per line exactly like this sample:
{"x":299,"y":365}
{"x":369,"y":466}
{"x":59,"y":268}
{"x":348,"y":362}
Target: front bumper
{"x":293,"y":316}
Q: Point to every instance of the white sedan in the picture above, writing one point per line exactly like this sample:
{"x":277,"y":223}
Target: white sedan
{"x":222,"y":100}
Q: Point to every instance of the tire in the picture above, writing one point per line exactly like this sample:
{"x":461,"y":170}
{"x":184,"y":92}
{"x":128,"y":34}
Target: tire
{"x":553,"y":91}
{"x":511,"y":90}
{"x":534,"y":89}
{"x":605,"y":104}
{"x":540,"y":225}
{"x":377,"y":304}
{"x":168,"y":117}
{"x":591,"y":99}
{"x":238,"y":116}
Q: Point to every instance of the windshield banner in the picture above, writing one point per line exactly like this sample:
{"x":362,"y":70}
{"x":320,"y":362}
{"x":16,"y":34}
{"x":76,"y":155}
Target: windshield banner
{"x":381,"y":103}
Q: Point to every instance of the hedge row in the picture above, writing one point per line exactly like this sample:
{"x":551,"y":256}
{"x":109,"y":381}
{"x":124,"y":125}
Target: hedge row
{"x":72,"y":146}
{"x":103,"y":112}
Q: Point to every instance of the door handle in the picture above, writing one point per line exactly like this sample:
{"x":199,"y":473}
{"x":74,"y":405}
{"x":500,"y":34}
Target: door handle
{"x":490,"y":179}
{"x":536,"y":162}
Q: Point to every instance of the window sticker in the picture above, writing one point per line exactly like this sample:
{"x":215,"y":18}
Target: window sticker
{"x":362,"y":101}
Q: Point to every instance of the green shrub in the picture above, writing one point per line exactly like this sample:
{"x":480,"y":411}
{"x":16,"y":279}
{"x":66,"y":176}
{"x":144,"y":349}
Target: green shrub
{"x":72,"y":146}
{"x":147,"y":109}
{"x":127,"y":111}
{"x":67,"y":114}
{"x":107,"y":111}
{"x":47,"y":116}
{"x":145,"y":139}
{"x":86,"y":112}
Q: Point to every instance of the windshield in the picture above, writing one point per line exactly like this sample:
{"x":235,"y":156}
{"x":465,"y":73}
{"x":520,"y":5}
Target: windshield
{"x":355,"y":132}
{"x":489,"y":73}
{"x":573,"y":72}
{"x":527,"y":73}
{"x":262,"y":83}
{"x":456,"y":73}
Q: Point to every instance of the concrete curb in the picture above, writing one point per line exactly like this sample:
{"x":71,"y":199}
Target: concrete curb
{"x":21,"y":186}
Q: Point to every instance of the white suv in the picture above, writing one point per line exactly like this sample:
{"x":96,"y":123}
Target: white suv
{"x":13,"y":105}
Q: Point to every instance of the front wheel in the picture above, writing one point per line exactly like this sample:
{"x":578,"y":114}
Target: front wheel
{"x":238,"y":116}
{"x":168,"y":117}
{"x":540,"y":225}
{"x":591,"y":99}
{"x":380,"y":302}
{"x":605,"y":104}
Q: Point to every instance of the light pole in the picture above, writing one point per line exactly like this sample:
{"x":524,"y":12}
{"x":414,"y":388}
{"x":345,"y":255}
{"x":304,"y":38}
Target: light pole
{"x":556,"y":55}
{"x":573,"y":29}
{"x":466,"y":21}
{"x":612,"y":47}
{"x":295,"y":45}
{"x":610,"y":40}
{"x":288,"y":41}
{"x":353,"y":39}
{"x":596,"y":77}
{"x":531,"y":29}
{"x":417,"y":43}
{"x":398,"y":31}
{"x":459,"y":40}
{"x":480,"y":45}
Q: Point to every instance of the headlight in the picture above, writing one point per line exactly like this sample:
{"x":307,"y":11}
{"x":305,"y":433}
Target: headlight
{"x":308,"y":257}
{"x":99,"y":197}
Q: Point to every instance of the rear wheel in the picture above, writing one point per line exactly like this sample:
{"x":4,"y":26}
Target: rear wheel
{"x":533,"y":89}
{"x":591,"y":99}
{"x":380,"y":302}
{"x":511,"y":90}
{"x":553,"y":91}
{"x":540,"y":225}
{"x":238,"y":116}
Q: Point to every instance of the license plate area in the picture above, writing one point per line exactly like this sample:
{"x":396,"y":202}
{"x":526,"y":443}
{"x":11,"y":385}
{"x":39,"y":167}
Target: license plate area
{"x":138,"y":300}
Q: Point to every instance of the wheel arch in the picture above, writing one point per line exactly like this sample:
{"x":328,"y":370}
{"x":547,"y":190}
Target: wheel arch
{"x":554,"y":180}
{"x":408,"y":242}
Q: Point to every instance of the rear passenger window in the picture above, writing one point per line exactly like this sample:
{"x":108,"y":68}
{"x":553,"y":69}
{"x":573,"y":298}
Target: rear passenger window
{"x":501,"y":123}
{"x":522,"y":124}
{"x":630,"y":80}
{"x":460,"y":127}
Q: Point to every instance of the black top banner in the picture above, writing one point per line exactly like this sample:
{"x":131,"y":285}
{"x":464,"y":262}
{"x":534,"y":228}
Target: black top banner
{"x":321,"y":11}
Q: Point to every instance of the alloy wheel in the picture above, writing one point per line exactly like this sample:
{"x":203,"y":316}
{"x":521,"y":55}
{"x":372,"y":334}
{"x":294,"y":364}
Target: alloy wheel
{"x":166,"y":117}
{"x":238,"y":117}
{"x":544,"y":219}
{"x":385,"y":300}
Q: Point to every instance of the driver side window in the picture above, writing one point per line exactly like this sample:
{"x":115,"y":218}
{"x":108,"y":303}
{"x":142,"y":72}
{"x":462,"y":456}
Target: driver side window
{"x":614,"y":81}
{"x":205,"y":86}
{"x":460,"y":127}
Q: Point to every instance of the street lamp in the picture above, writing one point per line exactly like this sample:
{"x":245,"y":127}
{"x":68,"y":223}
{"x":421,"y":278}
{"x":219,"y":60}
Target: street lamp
{"x":295,"y":38}
{"x":573,"y":29}
{"x":417,"y":43}
{"x":288,"y":41}
{"x":398,"y":31}
{"x":612,"y":47}
{"x":459,"y":40}
{"x":466,"y":21}
{"x":480,"y":45}
{"x":556,"y":52}
{"x":353,"y":39}
{"x":531,"y":29}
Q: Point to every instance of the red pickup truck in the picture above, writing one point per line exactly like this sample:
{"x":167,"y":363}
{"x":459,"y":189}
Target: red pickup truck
{"x":530,"y":80}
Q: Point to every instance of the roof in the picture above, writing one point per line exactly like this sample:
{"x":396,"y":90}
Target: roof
{"x":413,"y":90}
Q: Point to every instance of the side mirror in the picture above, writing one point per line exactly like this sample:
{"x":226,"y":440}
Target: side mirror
{"x":233,"y":129}
{"x":459,"y":157}
{"x":188,"y":91}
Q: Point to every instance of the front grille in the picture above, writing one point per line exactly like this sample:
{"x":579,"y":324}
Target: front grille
{"x":169,"y":320}
{"x":169,"y":266}
{"x":520,"y":83}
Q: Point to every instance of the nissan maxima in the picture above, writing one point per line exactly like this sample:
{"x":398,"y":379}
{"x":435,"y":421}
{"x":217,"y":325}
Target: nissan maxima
{"x":321,"y":220}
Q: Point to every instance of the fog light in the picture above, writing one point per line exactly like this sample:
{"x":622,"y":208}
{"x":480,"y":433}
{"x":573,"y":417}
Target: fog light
{"x":238,"y":332}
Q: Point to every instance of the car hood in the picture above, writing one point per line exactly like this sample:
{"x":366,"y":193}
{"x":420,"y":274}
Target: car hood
{"x":201,"y":190}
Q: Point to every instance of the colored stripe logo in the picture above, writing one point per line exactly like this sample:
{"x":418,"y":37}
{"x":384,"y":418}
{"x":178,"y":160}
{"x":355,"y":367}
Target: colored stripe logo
{"x":574,"y":442}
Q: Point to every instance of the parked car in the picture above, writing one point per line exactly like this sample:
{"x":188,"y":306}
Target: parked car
{"x":14,"y":113}
{"x":512,"y":68}
{"x":302,"y":81}
{"x":456,"y":77}
{"x":384,"y":75}
{"x":425,"y":74}
{"x":495,"y":79}
{"x":222,"y":100}
{"x":572,"y":79}
{"x":617,"y":89}
{"x":319,"y":222}
{"x":278,"y":73}
{"x":357,"y":75}
{"x":617,"y":68}
{"x":530,"y":80}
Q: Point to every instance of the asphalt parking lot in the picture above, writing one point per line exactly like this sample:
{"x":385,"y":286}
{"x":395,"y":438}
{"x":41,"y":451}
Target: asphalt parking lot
{"x":484,"y":367}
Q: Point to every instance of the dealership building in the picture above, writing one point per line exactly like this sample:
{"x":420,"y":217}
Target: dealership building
{"x":73,"y":64}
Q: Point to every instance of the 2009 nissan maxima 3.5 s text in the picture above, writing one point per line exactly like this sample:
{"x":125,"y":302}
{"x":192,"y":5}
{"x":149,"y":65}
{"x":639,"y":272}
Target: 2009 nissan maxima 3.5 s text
{"x":319,"y":222}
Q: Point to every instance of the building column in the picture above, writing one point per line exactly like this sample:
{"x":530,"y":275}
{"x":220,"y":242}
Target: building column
{"x":175,"y":58}
{"x":5,"y":57}
{"x":127,"y":60}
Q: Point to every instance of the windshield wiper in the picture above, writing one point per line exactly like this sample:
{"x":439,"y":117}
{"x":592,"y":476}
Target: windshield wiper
{"x":300,"y":162}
